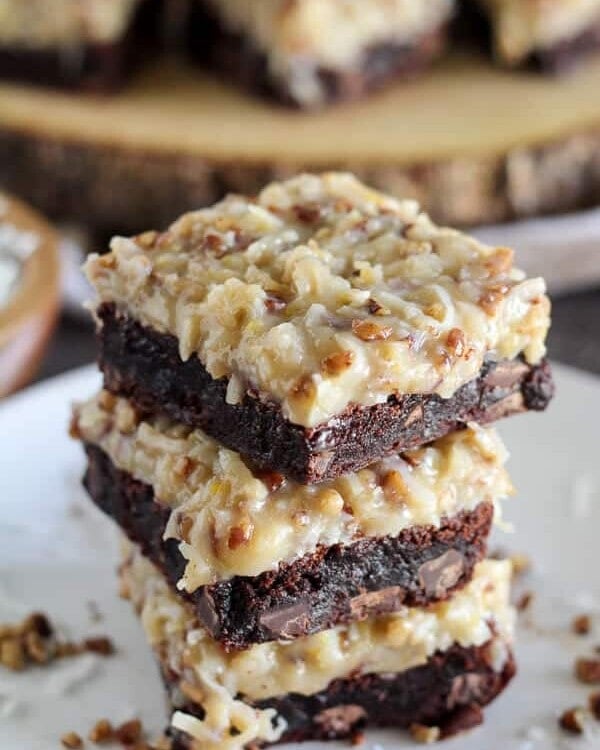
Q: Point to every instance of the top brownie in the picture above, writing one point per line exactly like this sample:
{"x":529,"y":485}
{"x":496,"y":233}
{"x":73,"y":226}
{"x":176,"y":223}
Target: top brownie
{"x":545,"y":30}
{"x":42,"y":24}
{"x":317,"y":300}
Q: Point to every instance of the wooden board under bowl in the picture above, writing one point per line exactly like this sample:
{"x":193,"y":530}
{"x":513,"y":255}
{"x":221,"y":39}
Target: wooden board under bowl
{"x":473,"y":143}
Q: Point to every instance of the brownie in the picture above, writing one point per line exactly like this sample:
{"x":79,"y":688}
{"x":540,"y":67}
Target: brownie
{"x":333,"y":585}
{"x":97,"y":66}
{"x":236,"y":56}
{"x":474,"y":24}
{"x":144,"y":366}
{"x":447,"y":692}
{"x":566,"y":55}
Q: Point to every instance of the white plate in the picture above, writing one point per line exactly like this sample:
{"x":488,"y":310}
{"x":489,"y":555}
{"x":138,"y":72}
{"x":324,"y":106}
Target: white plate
{"x":57,"y":553}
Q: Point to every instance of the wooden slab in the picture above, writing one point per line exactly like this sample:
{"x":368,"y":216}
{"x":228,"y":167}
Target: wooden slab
{"x":473,"y":143}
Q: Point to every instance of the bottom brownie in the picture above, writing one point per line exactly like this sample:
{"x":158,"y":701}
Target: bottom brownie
{"x":448,"y":692}
{"x":435,"y":666}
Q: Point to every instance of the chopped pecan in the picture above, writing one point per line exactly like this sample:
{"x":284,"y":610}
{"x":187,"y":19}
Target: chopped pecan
{"x":239,"y":535}
{"x":572,"y":720}
{"x":394,"y":487}
{"x":588,"y":671}
{"x":337,"y":363}
{"x":582,"y":625}
{"x":455,"y":341}
{"x":71,"y":740}
{"x":101,"y":732}
{"x":129,"y":732}
{"x":369,"y":331}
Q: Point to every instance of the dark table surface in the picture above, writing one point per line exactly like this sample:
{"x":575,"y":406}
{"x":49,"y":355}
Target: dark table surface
{"x":574,"y":338}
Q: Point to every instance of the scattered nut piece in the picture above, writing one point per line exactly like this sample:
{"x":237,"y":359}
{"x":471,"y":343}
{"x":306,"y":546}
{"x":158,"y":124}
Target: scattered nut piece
{"x":12,"y":654}
{"x":524,"y":601}
{"x":129,"y":732}
{"x":520,"y":564}
{"x":102,"y":646}
{"x":358,"y":738}
{"x":572,"y":720}
{"x":582,"y":625}
{"x":33,"y":642}
{"x":337,"y":363}
{"x":423,"y":734}
{"x":101,"y":732}
{"x":588,"y":671}
{"x":36,"y":648}
{"x":369,"y":331}
{"x":71,"y":740}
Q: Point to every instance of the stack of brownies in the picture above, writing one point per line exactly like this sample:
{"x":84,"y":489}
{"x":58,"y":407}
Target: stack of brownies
{"x":291,"y":437}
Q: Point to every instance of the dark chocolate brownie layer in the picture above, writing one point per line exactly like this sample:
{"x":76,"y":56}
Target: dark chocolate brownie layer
{"x":448,"y":692}
{"x":92,"y":67}
{"x":333,"y":585}
{"x":237,"y":58}
{"x":144,"y":366}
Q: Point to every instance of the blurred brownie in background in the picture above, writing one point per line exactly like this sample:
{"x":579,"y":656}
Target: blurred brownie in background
{"x":314,"y":52}
{"x":82,"y":44}
{"x":551,"y":35}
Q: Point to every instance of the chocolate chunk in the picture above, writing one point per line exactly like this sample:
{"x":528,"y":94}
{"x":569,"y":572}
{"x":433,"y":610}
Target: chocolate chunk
{"x":286,"y":622}
{"x":441,"y":573}
{"x":207,"y":612}
{"x":386,"y":600}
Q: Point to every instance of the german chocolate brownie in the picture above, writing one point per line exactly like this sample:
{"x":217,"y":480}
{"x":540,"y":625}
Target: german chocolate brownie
{"x":436,"y":666}
{"x":442,"y":698}
{"x":551,"y":36}
{"x":145,"y":366}
{"x":320,"y":326}
{"x":81,"y":44}
{"x":316,"y":52}
{"x":261,"y":559}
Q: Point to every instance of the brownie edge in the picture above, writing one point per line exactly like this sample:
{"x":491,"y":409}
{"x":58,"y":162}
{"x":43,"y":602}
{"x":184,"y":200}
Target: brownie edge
{"x":144,"y":366}
{"x":448,"y":692}
{"x":333,"y":585}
